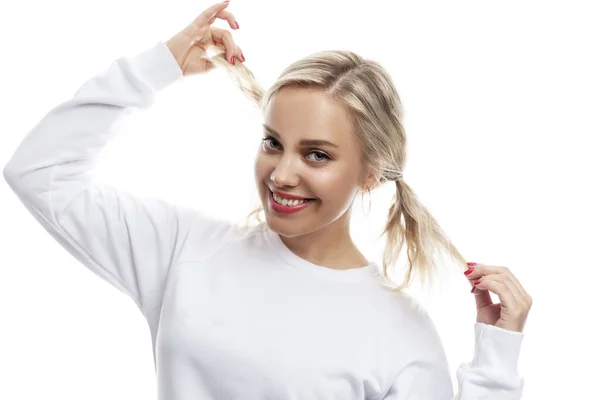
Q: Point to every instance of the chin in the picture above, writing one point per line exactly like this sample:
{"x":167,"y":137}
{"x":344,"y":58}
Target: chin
{"x":287,"y":228}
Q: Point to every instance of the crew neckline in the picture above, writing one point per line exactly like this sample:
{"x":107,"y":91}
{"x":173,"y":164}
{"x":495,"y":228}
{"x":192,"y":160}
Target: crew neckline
{"x":352,"y":275}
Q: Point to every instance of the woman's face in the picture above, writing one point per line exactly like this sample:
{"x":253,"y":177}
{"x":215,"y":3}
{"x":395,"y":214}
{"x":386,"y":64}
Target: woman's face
{"x":330,"y":174}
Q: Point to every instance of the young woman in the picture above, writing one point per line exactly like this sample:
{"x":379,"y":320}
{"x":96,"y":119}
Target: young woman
{"x":288,"y":308}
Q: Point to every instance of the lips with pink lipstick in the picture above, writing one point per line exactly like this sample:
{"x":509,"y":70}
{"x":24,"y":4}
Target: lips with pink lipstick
{"x":287,"y":203}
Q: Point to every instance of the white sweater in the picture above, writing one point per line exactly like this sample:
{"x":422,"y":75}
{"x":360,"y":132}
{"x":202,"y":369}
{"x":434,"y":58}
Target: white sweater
{"x":233,"y":314}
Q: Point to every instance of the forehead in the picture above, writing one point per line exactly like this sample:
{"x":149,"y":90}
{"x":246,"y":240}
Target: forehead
{"x":300,"y":113}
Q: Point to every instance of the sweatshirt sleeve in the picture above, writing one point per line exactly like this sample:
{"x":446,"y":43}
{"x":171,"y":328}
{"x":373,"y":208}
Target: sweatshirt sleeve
{"x":492,"y":374}
{"x":129,"y":242}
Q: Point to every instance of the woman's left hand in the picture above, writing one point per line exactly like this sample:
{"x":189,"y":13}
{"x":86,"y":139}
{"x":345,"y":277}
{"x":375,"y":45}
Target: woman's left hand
{"x":515,"y":303}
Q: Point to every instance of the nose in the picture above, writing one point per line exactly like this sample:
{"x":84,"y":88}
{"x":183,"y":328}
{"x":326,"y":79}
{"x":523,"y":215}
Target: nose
{"x":284,"y":173}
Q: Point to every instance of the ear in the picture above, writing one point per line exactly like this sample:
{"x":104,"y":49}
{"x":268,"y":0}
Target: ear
{"x":369,"y":182}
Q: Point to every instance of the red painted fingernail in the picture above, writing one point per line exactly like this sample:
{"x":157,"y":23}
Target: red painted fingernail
{"x":232,"y":61}
{"x":236,"y":24}
{"x":243,"y":58}
{"x":472,"y":290}
{"x":470,"y":264}
{"x":476,"y":282}
{"x":467,"y":272}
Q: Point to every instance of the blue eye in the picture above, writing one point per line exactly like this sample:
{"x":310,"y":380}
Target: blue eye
{"x":323,"y":156}
{"x":265,"y":139}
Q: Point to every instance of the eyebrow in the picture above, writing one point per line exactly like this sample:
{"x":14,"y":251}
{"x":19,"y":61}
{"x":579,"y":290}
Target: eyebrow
{"x":304,"y":142}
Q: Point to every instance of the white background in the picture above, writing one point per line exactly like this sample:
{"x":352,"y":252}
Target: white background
{"x":502,"y":104}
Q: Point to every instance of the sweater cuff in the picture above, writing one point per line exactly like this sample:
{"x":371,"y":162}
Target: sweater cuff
{"x":157,"y":67}
{"x":496,"y":348}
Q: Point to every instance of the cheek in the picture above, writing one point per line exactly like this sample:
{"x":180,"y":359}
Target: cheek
{"x":332,"y":185}
{"x":260,"y":167}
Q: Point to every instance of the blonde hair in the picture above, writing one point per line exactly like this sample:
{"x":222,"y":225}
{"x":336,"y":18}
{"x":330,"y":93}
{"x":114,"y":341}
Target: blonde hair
{"x":367,"y":92}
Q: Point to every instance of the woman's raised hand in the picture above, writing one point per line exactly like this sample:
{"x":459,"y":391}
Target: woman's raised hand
{"x":189,"y":46}
{"x":512,"y":311}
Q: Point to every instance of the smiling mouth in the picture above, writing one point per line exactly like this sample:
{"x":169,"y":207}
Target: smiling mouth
{"x":288,"y":202}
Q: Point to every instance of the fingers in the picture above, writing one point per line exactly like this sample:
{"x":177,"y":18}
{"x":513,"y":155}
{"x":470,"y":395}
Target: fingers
{"x":210,"y":14}
{"x":505,"y":289}
{"x":498,"y":279}
{"x":480,"y":270}
{"x":227,"y":16}
{"x":482,"y":297}
{"x":231,"y":49}
{"x":219,"y":36}
{"x":240,"y":55}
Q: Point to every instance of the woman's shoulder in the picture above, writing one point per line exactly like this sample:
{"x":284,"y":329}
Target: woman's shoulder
{"x":210,"y":233}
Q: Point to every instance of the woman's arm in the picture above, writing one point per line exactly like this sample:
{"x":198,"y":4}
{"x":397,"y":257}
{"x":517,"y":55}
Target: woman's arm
{"x":492,"y":374}
{"x":129,"y":242}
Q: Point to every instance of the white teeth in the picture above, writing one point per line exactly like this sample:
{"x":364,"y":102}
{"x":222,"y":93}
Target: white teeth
{"x":288,"y":202}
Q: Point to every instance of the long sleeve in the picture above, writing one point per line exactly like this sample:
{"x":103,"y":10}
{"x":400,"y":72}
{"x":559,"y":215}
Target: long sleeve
{"x":129,"y":242}
{"x":492,"y":374}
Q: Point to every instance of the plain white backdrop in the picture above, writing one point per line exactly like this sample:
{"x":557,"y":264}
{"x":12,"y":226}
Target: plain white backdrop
{"x":501,"y":111}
